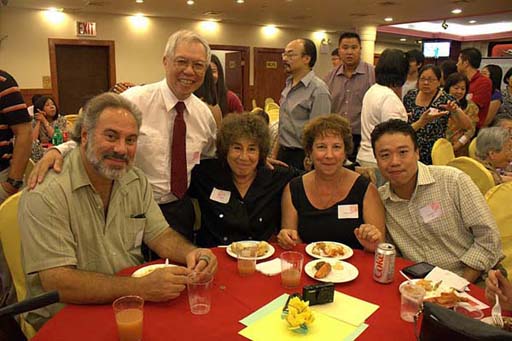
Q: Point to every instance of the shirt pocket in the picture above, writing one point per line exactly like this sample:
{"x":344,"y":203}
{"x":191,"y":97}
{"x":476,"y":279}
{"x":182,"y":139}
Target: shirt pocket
{"x":302,"y":110}
{"x":133,"y":233}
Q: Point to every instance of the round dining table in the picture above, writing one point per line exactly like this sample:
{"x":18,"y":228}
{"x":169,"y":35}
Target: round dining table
{"x":233,"y":298}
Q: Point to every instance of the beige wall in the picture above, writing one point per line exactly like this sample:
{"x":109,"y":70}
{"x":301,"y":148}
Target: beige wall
{"x":24,"y":52}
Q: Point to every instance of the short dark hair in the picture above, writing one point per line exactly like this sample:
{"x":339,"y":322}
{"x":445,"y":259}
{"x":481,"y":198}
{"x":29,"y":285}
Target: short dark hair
{"x":508,"y":74}
{"x":261,"y":113}
{"x":220,"y":86}
{"x":309,"y":50}
{"x":238,"y":126}
{"x":393,"y":126}
{"x":472,"y":55}
{"x":495,"y":73}
{"x":41,"y":101}
{"x":448,"y":67}
{"x":453,"y":80}
{"x":207,"y":91}
{"x":435,"y":69}
{"x":335,"y":52}
{"x":349,"y":35}
{"x":392,"y":68}
{"x":415,"y":55}
{"x":35,"y":98}
{"x":327,"y":124}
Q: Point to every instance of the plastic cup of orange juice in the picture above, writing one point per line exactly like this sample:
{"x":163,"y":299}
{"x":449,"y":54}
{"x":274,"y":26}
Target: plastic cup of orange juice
{"x":246,"y":260}
{"x":129,"y":311}
{"x":291,"y":268}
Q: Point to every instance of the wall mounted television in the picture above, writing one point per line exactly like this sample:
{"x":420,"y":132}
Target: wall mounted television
{"x":436,"y":49}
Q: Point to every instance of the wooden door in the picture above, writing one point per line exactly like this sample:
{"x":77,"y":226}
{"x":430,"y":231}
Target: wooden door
{"x":269,"y":75}
{"x":233,"y":73}
{"x":80,"y":69}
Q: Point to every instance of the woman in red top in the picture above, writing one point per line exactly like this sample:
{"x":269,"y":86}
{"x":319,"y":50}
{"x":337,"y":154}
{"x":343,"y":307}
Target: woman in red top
{"x":228,"y":100}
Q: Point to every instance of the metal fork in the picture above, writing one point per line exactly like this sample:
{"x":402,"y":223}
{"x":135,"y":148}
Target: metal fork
{"x":496,"y":313}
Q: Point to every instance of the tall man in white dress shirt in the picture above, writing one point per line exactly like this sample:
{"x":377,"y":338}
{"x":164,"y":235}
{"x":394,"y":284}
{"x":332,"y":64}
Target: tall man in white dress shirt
{"x":185,"y":60}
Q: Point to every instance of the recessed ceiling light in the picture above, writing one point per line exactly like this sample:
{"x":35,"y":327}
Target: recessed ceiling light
{"x":419,"y":41}
{"x":139,"y":1}
{"x":457,"y":11}
{"x":403,"y":39}
{"x":472,"y":21}
{"x":388,"y":19}
{"x":240,"y":1}
{"x":190,"y":2}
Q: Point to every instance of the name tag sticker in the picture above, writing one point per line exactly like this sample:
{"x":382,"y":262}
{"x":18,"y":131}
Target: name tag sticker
{"x":138,"y":239}
{"x":219,"y":195}
{"x":348,"y":211}
{"x":431,"y":212}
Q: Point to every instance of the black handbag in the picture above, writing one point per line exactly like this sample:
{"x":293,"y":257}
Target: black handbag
{"x":439,"y":323}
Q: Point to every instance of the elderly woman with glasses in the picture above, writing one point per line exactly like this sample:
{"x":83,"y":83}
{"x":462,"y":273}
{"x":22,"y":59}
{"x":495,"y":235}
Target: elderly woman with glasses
{"x":239,"y":197}
{"x":331,"y":203}
{"x":494,"y":151}
{"x":430,"y":107}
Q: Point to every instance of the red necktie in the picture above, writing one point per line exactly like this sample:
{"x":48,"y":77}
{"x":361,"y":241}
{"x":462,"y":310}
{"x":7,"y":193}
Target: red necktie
{"x":178,"y":156}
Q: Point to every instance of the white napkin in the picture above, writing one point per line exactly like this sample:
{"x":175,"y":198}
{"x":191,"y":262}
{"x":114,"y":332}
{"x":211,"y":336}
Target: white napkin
{"x":270,"y":268}
{"x":448,"y":278}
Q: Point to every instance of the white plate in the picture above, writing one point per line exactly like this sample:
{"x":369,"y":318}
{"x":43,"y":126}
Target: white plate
{"x":144,"y":271}
{"x":348,"y":273}
{"x":428,"y":294}
{"x":348,"y":251}
{"x":269,"y":253}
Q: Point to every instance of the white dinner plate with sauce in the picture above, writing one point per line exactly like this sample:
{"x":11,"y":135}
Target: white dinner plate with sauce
{"x":270,"y":249}
{"x":146,"y":270}
{"x":347,"y":273}
{"x":347,"y":250}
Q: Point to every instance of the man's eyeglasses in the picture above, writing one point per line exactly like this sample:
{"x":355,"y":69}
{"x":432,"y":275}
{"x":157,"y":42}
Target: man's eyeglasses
{"x":197,"y":66}
{"x":290,"y":55}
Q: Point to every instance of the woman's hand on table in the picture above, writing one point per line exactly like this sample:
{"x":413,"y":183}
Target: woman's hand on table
{"x":288,"y":238}
{"x":164,"y":284}
{"x":496,"y":283}
{"x":202,"y":260}
{"x":369,"y":236}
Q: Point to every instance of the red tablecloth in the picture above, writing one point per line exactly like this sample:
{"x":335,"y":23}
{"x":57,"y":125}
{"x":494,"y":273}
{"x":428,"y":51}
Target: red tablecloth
{"x":235,"y":297}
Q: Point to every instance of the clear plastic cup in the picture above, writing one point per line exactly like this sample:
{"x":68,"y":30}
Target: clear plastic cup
{"x":129,"y":313}
{"x":291,"y":268}
{"x":199,"y":293}
{"x":411,"y":301}
{"x":246,"y":259}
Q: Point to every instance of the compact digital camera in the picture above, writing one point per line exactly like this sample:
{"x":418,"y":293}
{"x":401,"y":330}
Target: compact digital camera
{"x":318,"y":293}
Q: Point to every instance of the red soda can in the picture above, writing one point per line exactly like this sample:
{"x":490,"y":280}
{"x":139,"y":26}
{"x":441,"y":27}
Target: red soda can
{"x":384,"y":266}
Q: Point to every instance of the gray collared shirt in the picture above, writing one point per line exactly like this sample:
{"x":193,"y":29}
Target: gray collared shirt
{"x":307,"y":99}
{"x":446,"y":222}
{"x":347,"y":93}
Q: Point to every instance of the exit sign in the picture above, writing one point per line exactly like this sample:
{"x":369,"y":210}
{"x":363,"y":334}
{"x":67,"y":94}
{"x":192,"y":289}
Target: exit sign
{"x":85,"y":29}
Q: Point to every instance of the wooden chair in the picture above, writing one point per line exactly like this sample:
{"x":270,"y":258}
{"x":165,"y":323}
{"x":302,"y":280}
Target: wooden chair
{"x":442,"y":152}
{"x":11,"y":244}
{"x":498,"y":198}
{"x":271,"y":106}
{"x":472,"y":149}
{"x":273,"y":115}
{"x":254,"y":104}
{"x":478,"y":173}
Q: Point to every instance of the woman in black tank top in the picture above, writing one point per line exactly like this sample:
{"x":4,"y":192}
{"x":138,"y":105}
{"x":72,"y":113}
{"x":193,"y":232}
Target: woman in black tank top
{"x":331,"y":203}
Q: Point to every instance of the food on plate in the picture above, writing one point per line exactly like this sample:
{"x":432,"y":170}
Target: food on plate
{"x":507,"y":324}
{"x":447,"y":299}
{"x":322,"y":269}
{"x":148,"y":269}
{"x":338,"y":266}
{"x":428,"y":285}
{"x":262,"y":247}
{"x":325,"y":249}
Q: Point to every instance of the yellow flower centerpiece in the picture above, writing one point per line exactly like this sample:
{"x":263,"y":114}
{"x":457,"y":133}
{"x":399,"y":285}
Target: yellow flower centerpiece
{"x":298,"y":315}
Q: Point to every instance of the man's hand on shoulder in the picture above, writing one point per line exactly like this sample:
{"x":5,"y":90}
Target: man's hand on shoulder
{"x":51,"y":159}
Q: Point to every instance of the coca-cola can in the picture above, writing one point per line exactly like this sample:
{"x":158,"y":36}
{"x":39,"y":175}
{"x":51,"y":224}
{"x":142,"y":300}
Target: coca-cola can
{"x":384,"y":266}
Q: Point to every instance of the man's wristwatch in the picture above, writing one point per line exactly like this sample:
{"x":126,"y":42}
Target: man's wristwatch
{"x":14,"y":183}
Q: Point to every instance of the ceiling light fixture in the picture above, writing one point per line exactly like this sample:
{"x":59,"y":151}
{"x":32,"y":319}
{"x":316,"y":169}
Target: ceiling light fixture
{"x":388,"y":19}
{"x":403,"y":39}
{"x":270,"y":30}
{"x":472,"y":21}
{"x":240,"y":1}
{"x":139,"y":1}
{"x":190,"y":2}
{"x":457,"y":11}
